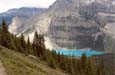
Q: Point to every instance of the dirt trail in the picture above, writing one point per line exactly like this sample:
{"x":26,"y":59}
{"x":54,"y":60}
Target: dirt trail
{"x":2,"y":70}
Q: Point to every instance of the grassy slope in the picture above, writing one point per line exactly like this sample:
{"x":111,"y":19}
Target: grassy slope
{"x":18,"y":64}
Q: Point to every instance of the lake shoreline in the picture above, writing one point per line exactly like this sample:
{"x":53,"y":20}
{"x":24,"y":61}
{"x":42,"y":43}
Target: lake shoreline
{"x":79,"y":53}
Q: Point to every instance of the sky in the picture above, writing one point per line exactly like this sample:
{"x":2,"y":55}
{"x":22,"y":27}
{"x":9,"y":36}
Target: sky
{"x":9,"y":4}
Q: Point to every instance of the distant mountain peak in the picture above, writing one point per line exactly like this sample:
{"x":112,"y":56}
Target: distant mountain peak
{"x":22,"y":12}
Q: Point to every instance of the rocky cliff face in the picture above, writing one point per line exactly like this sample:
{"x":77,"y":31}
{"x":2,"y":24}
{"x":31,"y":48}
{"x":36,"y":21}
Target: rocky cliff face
{"x":21,"y":24}
{"x":77,"y":27}
{"x":71,"y":24}
{"x":72,"y":32}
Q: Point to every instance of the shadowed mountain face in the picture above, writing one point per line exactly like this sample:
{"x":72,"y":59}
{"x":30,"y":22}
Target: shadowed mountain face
{"x":71,"y":23}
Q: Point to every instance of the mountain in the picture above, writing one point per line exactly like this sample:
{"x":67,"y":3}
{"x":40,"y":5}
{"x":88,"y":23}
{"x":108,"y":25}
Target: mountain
{"x":16,"y":63}
{"x":71,"y":24}
{"x":25,"y":12}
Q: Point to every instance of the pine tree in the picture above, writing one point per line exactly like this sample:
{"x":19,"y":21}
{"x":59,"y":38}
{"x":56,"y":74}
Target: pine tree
{"x":12,"y":42}
{"x":6,"y":39}
{"x":101,"y":65}
{"x":38,"y":44}
{"x":98,"y":71}
{"x":83,"y":63}
{"x":18,"y":44}
{"x":90,"y":68}
{"x":4,"y":33}
{"x":23,"y":44}
{"x":4,"y":26}
{"x":29,"y":47}
{"x":28,"y":41}
{"x":52,"y":62}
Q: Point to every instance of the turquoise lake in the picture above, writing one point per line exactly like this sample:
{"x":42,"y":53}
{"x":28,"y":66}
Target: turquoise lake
{"x":79,"y":53}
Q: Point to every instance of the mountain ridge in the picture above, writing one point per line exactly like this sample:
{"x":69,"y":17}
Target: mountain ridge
{"x":65,"y":17}
{"x":23,"y":12}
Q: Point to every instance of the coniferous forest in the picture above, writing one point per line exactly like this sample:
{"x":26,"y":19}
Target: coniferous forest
{"x":71,"y":65}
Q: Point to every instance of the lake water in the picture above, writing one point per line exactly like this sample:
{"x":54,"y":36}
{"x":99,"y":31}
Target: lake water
{"x":78,"y":53}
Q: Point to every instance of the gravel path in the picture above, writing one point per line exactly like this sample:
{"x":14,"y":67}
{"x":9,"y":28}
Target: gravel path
{"x":2,"y":70}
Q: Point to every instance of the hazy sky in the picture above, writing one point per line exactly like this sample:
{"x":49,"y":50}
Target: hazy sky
{"x":9,"y":4}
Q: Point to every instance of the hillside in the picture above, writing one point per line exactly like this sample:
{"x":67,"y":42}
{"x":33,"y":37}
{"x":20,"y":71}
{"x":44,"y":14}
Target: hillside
{"x":18,"y":64}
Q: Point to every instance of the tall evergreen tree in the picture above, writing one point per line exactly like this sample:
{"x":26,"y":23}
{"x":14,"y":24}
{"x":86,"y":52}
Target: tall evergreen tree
{"x":29,"y":47}
{"x":98,"y":71}
{"x":28,"y":41}
{"x":4,"y":31}
{"x":17,"y":43}
{"x":83,"y":61}
{"x":6,"y":39}
{"x":38,"y":44}
{"x":23,"y":44}
{"x":4,"y":26}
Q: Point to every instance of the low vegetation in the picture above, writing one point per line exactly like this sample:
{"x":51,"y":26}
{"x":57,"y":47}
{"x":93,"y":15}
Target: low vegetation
{"x":17,"y":63}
